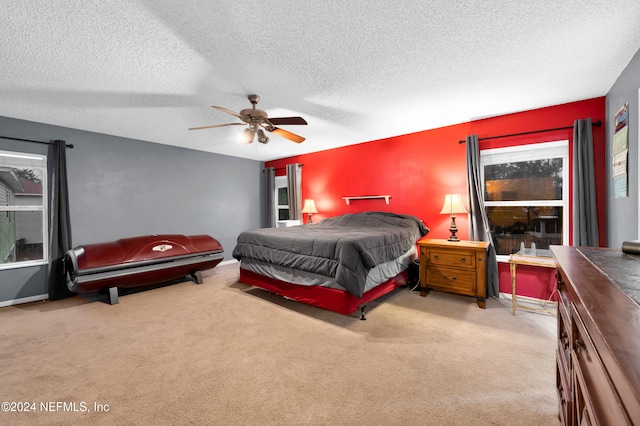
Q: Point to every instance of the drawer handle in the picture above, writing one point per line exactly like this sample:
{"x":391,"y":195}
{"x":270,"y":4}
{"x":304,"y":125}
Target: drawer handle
{"x":560,"y":281}
{"x":452,"y":279}
{"x":463,"y":260}
{"x":435,"y":257}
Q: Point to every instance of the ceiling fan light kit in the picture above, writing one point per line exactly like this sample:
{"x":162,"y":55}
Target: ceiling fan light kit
{"x":258,"y":120}
{"x":247,"y":135}
{"x":262,"y":138}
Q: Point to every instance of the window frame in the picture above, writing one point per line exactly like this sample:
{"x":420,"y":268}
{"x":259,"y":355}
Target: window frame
{"x":280,"y":182}
{"x":42,"y":208}
{"x":528,"y":152}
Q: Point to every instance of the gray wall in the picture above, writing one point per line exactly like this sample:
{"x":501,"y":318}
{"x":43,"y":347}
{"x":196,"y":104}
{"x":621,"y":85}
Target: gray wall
{"x":622,"y":213}
{"x":123,"y":187}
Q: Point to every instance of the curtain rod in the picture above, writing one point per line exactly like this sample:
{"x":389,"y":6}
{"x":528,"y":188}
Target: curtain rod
{"x":595,"y":123}
{"x":30,"y":140}
{"x":280,"y":168}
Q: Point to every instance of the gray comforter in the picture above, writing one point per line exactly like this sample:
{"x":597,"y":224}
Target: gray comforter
{"x":344,"y":247}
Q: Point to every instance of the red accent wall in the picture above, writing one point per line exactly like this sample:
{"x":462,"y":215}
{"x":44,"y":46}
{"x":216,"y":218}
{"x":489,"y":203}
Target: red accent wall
{"x":418,"y":169}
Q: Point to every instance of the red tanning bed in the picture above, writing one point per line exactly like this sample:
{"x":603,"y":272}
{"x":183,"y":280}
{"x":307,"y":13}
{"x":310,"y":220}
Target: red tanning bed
{"x":138,"y":261}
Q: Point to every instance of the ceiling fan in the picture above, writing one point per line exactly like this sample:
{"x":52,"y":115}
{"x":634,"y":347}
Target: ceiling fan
{"x":258,"y":120}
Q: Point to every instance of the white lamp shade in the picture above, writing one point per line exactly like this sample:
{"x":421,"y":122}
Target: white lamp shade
{"x":453,"y":204}
{"x":309,"y":206}
{"x":248,"y":135}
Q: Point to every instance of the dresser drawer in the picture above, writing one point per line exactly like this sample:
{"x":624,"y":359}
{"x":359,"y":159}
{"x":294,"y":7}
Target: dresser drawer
{"x":596,"y":396}
{"x":563,"y":389}
{"x":564,"y":339}
{"x":458,"y":258}
{"x":455,"y":280}
{"x":563,"y":293}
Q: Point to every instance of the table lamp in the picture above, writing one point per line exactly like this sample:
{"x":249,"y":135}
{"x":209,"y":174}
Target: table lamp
{"x":452,"y":205}
{"x":309,"y":208}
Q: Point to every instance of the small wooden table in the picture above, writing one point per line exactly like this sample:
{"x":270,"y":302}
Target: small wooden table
{"x":520,"y":259}
{"x":454,"y":267}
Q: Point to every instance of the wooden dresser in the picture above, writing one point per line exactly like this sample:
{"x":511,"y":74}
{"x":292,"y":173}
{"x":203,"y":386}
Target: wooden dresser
{"x":454,"y":267}
{"x":598,"y":354}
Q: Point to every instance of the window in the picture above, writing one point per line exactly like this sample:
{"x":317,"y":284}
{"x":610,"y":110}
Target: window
{"x":23,"y":203}
{"x":282,"y":198}
{"x":526,"y":195}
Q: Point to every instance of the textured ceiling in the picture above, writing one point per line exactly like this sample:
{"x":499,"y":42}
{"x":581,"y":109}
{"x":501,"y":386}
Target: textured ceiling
{"x":355,"y":70}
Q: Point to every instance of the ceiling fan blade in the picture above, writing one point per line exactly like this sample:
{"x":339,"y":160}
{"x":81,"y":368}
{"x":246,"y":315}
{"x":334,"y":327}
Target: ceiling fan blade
{"x":283,"y":121}
{"x":287,"y":135}
{"x":228,"y":111}
{"x":215,"y":125}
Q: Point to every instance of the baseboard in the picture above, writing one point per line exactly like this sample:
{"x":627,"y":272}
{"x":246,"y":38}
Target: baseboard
{"x":530,"y":300}
{"x":24,"y":300}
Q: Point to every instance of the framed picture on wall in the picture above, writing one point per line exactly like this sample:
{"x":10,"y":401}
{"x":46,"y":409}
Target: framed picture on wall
{"x":620,"y":152}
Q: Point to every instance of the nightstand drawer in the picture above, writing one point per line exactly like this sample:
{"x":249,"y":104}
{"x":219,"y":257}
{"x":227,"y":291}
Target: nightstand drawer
{"x":454,"y":280}
{"x":458,"y":258}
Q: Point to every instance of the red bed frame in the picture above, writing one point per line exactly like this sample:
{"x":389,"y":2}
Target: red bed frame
{"x":332,"y":299}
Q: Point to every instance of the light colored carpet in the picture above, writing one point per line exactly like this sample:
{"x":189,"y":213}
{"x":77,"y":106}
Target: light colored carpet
{"x":223,"y":353}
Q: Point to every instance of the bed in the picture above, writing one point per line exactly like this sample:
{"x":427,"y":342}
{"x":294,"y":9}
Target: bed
{"x":339,"y":263}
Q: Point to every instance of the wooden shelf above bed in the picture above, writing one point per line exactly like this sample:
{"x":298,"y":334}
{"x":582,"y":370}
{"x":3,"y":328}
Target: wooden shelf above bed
{"x":367,"y":197}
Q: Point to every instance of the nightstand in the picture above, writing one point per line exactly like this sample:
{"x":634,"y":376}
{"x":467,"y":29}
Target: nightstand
{"x":454,"y":267}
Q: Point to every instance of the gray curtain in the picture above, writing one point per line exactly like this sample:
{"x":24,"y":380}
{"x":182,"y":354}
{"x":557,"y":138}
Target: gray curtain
{"x":478,"y":220}
{"x":60,"y":223}
{"x":269,"y":191}
{"x":585,"y":216}
{"x":294,"y":189}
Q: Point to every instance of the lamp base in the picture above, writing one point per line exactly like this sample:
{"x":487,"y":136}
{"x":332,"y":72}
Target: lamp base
{"x":453,"y":229}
